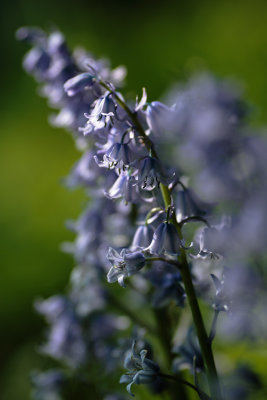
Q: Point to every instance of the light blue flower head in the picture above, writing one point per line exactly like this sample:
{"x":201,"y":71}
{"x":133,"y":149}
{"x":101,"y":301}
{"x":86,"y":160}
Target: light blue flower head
{"x":124,"y":264}
{"x":165,"y":240}
{"x":78,"y":83}
{"x":151,"y":173}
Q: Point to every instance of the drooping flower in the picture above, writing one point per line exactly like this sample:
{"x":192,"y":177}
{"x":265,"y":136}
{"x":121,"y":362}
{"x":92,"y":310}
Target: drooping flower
{"x":124,"y":187}
{"x":168,"y":288}
{"x":119,"y":155}
{"x":121,"y":152}
{"x":190,"y":353}
{"x":212,"y":240}
{"x":125,"y":264}
{"x":188,"y":205}
{"x":159,"y":118}
{"x":103,"y":113}
{"x":221,"y":302}
{"x":165,"y":240}
{"x":78,"y":83}
{"x":142,"y":237}
{"x":151,"y":173}
{"x":141,"y":370}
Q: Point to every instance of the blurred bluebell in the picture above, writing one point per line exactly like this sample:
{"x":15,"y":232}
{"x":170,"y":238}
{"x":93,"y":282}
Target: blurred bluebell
{"x":65,"y":341}
{"x":213,"y":240}
{"x":167,"y":283}
{"x":188,"y":205}
{"x":243,"y":383}
{"x":87,"y":292}
{"x":78,"y":83}
{"x":47,"y":385}
{"x":32,"y":35}
{"x":188,"y":351}
{"x":141,"y":370}
{"x":159,"y":118}
{"x":220,"y":301}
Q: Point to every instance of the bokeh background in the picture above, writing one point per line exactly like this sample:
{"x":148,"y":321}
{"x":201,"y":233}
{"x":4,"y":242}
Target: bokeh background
{"x":159,"y":43}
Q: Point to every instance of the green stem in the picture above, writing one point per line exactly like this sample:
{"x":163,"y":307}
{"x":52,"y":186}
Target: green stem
{"x":173,"y":378}
{"x":213,"y":326}
{"x":204,"y":341}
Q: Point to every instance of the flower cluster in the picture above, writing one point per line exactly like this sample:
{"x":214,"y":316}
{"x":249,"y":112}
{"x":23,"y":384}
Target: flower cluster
{"x":136,"y":165}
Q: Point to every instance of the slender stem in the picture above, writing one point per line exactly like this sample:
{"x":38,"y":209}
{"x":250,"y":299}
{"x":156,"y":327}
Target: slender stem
{"x":213,"y":325}
{"x":194,"y":218}
{"x":166,"y":196}
{"x":204,"y":342}
{"x":151,"y":212}
{"x":174,"y":378}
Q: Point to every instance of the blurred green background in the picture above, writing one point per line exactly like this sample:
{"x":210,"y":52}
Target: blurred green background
{"x":159,"y":42}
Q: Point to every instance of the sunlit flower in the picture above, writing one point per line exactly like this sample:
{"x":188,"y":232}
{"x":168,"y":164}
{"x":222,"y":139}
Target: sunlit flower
{"x":165,"y":240}
{"x":151,"y":173}
{"x":78,"y":83}
{"x":124,"y":264}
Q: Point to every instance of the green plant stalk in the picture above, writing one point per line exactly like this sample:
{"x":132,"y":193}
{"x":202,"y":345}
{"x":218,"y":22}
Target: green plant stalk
{"x":205,"y":344}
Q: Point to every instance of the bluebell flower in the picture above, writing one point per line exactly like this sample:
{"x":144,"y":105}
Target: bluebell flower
{"x":78,"y":83}
{"x":47,"y":385}
{"x":36,"y":62}
{"x":107,"y":339}
{"x":31,"y":35}
{"x":159,"y":118}
{"x":221,"y":302}
{"x":124,"y":187}
{"x":84,"y":172}
{"x":141,"y":370}
{"x":188,"y":205}
{"x":142,"y":237}
{"x":170,"y":289}
{"x":119,"y":155}
{"x":240,"y":293}
{"x":151,"y":173}
{"x":103,"y":113}
{"x":85,"y":245}
{"x":57,"y":46}
{"x":86,"y":293}
{"x":65,"y":338}
{"x":124,"y":264}
{"x":165,"y":240}
{"x":213,"y":240}
{"x":189,"y":350}
{"x":121,"y":152}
